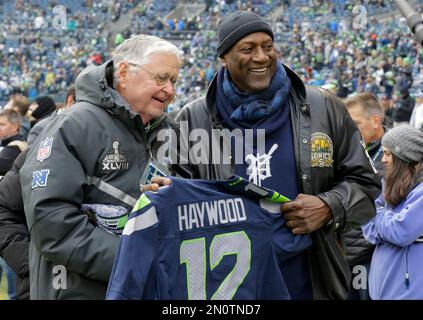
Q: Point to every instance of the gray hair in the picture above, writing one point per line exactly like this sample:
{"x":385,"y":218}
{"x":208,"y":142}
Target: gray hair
{"x":138,"y":48}
{"x":370,"y":104}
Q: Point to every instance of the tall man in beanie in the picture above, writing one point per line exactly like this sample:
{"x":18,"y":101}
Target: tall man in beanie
{"x":312,"y":152}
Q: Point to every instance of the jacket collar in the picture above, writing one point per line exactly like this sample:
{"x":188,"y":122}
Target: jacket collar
{"x":95,"y":85}
{"x":18,"y":136}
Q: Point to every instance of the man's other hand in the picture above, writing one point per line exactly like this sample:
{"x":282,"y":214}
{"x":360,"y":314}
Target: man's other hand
{"x":156,"y":183}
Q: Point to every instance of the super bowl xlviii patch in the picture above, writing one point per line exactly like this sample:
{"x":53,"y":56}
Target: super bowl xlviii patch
{"x":39,"y":178}
{"x":115,"y":161}
{"x":321,"y":150}
{"x":44,"y":151}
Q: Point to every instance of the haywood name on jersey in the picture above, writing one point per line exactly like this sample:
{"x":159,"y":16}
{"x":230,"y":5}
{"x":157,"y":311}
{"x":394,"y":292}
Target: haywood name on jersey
{"x":210,"y":213}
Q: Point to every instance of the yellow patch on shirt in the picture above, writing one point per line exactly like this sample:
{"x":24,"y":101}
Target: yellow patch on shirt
{"x":321,"y":150}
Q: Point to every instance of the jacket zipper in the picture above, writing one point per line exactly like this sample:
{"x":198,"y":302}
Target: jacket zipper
{"x":407,"y":275}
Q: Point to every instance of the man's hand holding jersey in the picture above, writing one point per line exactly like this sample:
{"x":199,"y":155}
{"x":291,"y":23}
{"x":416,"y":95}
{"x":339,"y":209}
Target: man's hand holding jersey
{"x":306,"y":213}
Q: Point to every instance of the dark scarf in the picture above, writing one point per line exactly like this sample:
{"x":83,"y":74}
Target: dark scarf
{"x":246,"y":110}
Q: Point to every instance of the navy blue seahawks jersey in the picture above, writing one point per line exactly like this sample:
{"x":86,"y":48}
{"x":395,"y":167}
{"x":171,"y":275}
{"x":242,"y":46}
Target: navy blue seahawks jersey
{"x":202,"y":239}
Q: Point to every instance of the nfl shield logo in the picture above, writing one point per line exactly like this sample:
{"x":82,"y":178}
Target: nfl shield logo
{"x":45,"y":149}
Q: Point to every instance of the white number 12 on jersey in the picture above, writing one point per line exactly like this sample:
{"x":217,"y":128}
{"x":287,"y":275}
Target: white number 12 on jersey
{"x":193,"y":254}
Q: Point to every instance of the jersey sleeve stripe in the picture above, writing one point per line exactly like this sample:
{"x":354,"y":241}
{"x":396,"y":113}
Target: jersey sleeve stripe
{"x":143,"y":221}
{"x":142,"y":202}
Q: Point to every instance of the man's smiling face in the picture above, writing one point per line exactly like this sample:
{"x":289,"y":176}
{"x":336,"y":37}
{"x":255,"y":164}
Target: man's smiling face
{"x":251,"y":62}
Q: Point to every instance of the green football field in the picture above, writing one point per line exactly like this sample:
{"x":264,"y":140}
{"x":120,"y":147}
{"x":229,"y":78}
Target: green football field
{"x":3,"y":289}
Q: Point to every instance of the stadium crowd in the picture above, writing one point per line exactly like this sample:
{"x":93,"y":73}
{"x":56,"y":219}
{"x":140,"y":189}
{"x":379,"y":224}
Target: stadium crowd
{"x":38,"y":58}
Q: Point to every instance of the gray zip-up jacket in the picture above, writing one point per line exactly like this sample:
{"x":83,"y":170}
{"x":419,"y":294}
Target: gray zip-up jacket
{"x":92,"y":153}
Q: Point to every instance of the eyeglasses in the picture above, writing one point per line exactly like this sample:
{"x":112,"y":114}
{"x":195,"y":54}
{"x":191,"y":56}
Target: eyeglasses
{"x":161,"y":78}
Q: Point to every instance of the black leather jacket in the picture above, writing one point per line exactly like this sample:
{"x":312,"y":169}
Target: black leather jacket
{"x":358,"y":250}
{"x":348,"y":185}
{"x":14,"y":234}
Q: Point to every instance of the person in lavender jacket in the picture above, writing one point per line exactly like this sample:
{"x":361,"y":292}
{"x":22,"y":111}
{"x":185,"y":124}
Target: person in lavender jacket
{"x":397,"y":229}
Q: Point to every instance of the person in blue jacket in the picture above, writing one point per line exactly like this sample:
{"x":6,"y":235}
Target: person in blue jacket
{"x":397,"y":229}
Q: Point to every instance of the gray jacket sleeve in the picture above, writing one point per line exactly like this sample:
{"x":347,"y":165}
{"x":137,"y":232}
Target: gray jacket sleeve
{"x":53,"y":188}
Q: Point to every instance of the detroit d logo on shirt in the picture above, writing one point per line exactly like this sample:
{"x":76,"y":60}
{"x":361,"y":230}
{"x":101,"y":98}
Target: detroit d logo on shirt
{"x":321,"y":150}
{"x":44,"y":151}
{"x":115,"y":161}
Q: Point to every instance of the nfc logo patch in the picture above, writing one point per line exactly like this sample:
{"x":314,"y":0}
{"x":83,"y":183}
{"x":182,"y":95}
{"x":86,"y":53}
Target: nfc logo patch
{"x":39,"y":178}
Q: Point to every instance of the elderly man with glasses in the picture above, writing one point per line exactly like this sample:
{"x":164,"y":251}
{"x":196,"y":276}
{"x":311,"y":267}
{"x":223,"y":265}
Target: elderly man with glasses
{"x":82,"y":177}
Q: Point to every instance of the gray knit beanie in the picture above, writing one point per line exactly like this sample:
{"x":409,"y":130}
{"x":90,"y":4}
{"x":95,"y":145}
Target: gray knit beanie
{"x":405,"y":142}
{"x":236,"y":26}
